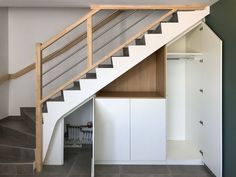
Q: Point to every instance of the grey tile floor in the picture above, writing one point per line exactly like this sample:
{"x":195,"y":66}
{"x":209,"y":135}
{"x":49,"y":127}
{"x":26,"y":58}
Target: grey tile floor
{"x":78,"y":164}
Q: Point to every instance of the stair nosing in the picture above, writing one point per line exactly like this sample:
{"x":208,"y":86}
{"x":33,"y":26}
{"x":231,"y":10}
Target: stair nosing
{"x":21,"y":163}
{"x":17,"y":147}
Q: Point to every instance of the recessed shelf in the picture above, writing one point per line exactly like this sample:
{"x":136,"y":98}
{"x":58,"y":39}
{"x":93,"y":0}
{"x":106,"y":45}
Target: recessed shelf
{"x":130,"y":94}
{"x":193,"y":56}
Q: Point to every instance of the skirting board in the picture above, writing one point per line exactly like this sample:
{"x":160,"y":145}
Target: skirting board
{"x":166,"y":162}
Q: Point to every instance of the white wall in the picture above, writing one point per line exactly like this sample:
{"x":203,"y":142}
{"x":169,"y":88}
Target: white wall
{"x":82,"y":115}
{"x":26,"y":27}
{"x":176,"y":104}
{"x":4,"y":104}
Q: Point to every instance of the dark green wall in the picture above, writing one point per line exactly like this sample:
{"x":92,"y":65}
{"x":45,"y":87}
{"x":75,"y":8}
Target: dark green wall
{"x":223,"y":21}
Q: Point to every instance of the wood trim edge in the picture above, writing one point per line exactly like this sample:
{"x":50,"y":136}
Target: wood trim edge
{"x":149,"y":7}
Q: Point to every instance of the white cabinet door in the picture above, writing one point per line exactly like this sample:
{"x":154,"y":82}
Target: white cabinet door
{"x":212,"y":119}
{"x":112,"y":129}
{"x":148,"y":129}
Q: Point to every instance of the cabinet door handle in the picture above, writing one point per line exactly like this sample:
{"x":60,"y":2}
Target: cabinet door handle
{"x":201,"y":122}
{"x":201,"y":152}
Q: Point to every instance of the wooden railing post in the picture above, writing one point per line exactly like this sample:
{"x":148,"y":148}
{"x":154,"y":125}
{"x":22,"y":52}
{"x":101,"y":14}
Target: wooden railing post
{"x":90,"y":41}
{"x":38,"y":73}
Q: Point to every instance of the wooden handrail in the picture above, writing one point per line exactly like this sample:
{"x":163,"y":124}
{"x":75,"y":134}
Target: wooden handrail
{"x":108,"y":56}
{"x":4,"y":78}
{"x":149,"y":7}
{"x":60,"y":51}
{"x":69,"y":29}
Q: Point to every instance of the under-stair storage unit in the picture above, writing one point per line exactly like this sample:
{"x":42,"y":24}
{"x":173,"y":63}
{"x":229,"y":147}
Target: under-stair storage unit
{"x":74,"y":93}
{"x":181,"y":126}
{"x":134,"y":112}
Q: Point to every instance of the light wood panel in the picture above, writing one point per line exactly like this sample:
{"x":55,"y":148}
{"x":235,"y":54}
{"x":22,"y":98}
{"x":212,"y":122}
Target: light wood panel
{"x":129,"y":94}
{"x":150,"y":7}
{"x":147,"y":79}
{"x":141,"y":78}
{"x":161,"y":71}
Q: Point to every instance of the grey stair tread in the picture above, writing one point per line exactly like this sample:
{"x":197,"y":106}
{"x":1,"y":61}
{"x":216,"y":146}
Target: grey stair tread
{"x":16,"y":154}
{"x":12,"y":160}
{"x":105,"y":66}
{"x":30,"y":112}
{"x":59,"y":98}
{"x":18,"y":125}
{"x":157,"y":30}
{"x":76,"y":86}
{"x":73,"y":88}
{"x":125,"y":51}
{"x":15,"y":169}
{"x":13,"y":138}
{"x":91,"y":76}
{"x":140,"y":41}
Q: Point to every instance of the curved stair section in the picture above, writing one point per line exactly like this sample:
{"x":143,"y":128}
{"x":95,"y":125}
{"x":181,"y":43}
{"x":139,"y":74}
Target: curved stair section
{"x":17,"y":143}
{"x":145,"y":46}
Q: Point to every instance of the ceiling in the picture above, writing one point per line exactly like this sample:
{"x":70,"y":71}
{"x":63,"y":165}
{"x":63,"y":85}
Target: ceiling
{"x":87,"y":3}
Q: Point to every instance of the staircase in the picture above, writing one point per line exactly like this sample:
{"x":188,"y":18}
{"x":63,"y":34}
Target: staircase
{"x":86,"y":87}
{"x":18,"y":133}
{"x":17,"y":143}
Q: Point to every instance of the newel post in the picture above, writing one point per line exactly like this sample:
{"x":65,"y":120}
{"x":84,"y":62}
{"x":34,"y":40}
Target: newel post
{"x":38,"y":74}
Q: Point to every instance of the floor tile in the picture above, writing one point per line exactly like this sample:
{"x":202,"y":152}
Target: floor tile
{"x":144,"y":169}
{"x":79,"y":176}
{"x":81,"y":170}
{"x":42,"y":175}
{"x":193,"y":175}
{"x":188,"y":170}
{"x":145,"y":175}
{"x":107,"y":169}
{"x":108,"y":175}
{"x":56,"y":170}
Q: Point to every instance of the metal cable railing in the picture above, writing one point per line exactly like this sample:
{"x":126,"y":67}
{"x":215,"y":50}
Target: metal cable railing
{"x":83,"y":59}
{"x":72,"y":54}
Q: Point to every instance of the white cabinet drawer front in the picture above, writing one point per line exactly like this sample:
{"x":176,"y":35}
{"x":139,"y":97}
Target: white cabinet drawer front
{"x":112,"y":129}
{"x":148,"y":129}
